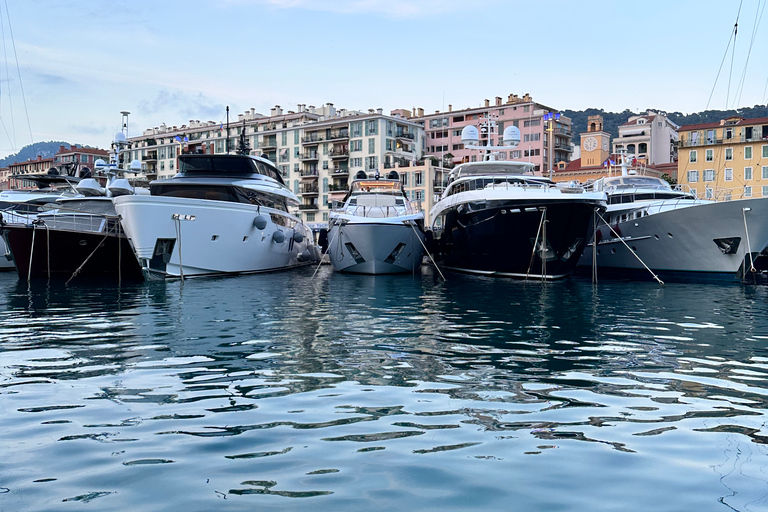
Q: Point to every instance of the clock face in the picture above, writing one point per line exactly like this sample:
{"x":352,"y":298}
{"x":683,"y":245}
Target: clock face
{"x":590,"y":144}
{"x":606,"y":144}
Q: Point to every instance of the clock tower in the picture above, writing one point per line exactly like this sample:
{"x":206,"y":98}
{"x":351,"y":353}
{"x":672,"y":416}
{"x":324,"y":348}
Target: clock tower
{"x":595,"y":143}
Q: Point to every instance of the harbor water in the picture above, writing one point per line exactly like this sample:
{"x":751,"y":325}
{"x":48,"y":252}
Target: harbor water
{"x":286,"y":391}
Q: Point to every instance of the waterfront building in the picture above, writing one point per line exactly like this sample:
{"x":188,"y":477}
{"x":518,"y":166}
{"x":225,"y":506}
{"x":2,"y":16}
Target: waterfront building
{"x":77,"y":159}
{"x":317,"y":150}
{"x":39,"y":165}
{"x":596,"y":160}
{"x":650,"y":137}
{"x":442,"y":131}
{"x":726,"y":159}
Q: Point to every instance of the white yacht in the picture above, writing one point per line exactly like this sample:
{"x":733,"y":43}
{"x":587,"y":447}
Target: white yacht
{"x":496,"y":218}
{"x":221,"y":214}
{"x":376,"y":230}
{"x":650,"y":226}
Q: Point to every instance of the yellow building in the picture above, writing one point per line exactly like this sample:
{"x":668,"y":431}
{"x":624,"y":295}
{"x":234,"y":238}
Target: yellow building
{"x":725,"y":160}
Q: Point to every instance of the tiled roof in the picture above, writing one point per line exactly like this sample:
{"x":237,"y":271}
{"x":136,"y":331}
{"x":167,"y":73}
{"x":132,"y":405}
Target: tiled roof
{"x":717,"y":124}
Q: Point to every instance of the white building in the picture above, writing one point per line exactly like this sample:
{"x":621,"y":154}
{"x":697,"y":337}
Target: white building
{"x":651,"y":137}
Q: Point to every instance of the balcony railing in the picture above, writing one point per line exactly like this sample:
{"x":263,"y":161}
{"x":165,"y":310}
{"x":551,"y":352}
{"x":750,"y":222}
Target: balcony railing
{"x":308,"y":190}
{"x":338,"y":134}
{"x":338,"y":188}
{"x":308,"y":207}
{"x":312,"y":139}
{"x":308,"y":173}
{"x":339,"y":170}
{"x":311,"y":155}
{"x":339,"y":152}
{"x":268,"y":143}
{"x":405,"y":135}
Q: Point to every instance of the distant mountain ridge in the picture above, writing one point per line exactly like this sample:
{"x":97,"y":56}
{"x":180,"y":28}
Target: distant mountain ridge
{"x":612,"y":120}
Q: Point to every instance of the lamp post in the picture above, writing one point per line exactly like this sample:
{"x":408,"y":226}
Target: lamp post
{"x":550,"y":119}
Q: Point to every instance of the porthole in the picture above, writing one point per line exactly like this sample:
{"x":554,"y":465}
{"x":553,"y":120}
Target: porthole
{"x":83,"y":243}
{"x":669,"y":235}
{"x":214,"y":238}
{"x":656,"y":237}
{"x":613,"y":251}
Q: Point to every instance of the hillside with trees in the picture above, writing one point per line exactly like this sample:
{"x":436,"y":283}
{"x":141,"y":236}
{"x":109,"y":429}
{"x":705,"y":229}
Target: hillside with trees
{"x":612,"y":120}
{"x":32,"y":151}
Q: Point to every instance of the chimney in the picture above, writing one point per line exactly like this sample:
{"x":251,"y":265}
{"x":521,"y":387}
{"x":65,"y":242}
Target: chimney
{"x":498,"y":101}
{"x":276,"y":111}
{"x":450,"y":108}
{"x":414,"y":111}
{"x":509,"y":99}
{"x":527,"y":97}
{"x":379,"y":111}
{"x":487,"y":103}
{"x":420,"y":112}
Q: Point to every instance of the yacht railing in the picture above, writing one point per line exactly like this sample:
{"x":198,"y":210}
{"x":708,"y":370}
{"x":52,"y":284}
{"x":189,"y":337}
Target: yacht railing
{"x":373,"y":211}
{"x":78,"y":221}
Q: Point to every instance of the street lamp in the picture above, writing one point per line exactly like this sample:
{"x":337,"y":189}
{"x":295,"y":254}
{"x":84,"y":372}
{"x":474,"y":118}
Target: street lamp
{"x":550,"y":119}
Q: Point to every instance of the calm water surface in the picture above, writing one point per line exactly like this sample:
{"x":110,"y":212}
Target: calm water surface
{"x":343,"y":392}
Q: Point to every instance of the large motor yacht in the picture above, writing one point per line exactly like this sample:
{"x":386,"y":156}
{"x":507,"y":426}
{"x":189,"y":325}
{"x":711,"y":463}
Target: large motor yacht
{"x":376,"y":230}
{"x":221,"y":214}
{"x":81,"y":235}
{"x":496,"y":217}
{"x":651,"y":228}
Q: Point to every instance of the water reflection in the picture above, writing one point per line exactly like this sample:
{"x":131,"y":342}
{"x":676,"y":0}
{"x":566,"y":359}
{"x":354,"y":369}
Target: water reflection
{"x":409,"y":390}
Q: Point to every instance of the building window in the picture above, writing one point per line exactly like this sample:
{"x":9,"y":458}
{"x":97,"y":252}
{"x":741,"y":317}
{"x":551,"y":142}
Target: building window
{"x":418,"y":177}
{"x":728,"y":174}
{"x":748,"y":153}
{"x":708,"y":193}
{"x":709,"y":175}
{"x":371,"y":146}
{"x":310,"y":217}
{"x":356,"y":145}
{"x":765,"y":191}
{"x":747,"y":173}
{"x":729,"y":153}
{"x":709,"y":155}
{"x":765,"y":172}
{"x":692,"y":156}
{"x":765,"y":151}
{"x":747,"y":191}
{"x":693,"y":176}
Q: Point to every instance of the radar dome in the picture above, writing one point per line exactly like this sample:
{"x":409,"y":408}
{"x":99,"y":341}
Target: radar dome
{"x":470,"y":135}
{"x":119,"y":137}
{"x":136,"y":165}
{"x":361,"y":175}
{"x":99,"y":164}
{"x":511,"y":136}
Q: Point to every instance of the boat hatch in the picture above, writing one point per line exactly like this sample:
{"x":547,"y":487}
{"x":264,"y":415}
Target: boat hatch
{"x":162,"y":253}
{"x":395,"y":253}
{"x":354,"y":252}
{"x":728,"y":245}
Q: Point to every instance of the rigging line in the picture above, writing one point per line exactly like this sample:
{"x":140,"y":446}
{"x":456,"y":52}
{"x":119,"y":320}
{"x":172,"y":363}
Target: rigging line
{"x":720,"y":69}
{"x":733,"y":54}
{"x":758,"y":18}
{"x":8,"y":77}
{"x":18,"y":70}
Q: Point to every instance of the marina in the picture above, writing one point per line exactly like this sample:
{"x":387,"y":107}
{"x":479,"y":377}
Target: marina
{"x":343,"y":391}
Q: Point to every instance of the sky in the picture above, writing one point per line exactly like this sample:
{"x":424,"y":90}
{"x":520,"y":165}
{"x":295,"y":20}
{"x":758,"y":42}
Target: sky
{"x":70,"y":67}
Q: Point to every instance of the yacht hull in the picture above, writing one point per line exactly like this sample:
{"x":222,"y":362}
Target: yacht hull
{"x":713,"y":240}
{"x":375,"y":248}
{"x":520,"y":239}
{"x":6,"y":259}
{"x":182,"y":237}
{"x":42,"y":253}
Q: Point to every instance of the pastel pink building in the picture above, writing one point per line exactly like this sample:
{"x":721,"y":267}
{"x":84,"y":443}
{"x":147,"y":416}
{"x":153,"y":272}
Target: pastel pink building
{"x":443,"y":132}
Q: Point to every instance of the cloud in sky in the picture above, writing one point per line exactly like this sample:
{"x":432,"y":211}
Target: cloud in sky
{"x":190,"y":106}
